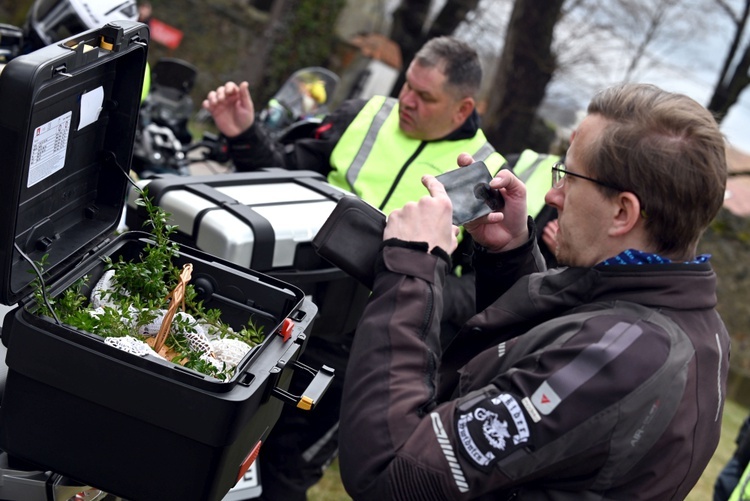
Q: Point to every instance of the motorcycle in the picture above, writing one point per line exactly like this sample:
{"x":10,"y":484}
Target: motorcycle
{"x":162,"y":137}
{"x":303,"y":99}
{"x":163,"y":142}
{"x":11,"y":42}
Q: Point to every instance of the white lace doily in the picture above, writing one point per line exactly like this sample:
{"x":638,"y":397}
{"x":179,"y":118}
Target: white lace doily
{"x":130,"y":345}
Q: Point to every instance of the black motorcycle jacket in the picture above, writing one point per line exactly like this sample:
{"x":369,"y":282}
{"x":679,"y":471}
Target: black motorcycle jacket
{"x":572,"y":384}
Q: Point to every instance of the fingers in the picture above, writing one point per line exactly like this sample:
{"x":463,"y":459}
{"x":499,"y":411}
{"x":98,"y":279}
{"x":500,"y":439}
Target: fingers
{"x":505,"y":178}
{"x":465,"y":159}
{"x":549,"y":234}
{"x":434,"y":186}
{"x":427,"y":220}
{"x":244,"y":92}
{"x":226,"y":93}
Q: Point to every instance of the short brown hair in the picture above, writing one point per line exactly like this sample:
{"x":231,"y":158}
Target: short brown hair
{"x":668,"y":150}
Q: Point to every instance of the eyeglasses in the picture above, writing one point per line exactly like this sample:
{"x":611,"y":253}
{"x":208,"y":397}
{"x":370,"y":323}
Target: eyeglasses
{"x":558,"y":181}
{"x":559,"y":172}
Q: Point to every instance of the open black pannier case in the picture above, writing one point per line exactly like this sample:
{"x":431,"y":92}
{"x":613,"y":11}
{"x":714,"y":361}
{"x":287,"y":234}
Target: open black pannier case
{"x":137,"y":427}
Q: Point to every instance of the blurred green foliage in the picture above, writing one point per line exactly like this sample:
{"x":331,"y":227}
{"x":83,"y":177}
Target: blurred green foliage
{"x":222,"y":39}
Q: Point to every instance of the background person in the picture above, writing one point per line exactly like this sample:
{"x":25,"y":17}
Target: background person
{"x":604,"y":379}
{"x":730,"y":475}
{"x":742,"y":491}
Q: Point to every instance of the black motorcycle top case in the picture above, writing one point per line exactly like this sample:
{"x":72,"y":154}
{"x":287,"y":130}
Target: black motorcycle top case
{"x":138,"y":427}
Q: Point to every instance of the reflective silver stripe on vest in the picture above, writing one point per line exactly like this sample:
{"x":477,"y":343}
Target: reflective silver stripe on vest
{"x":529,"y":171}
{"x":485,"y":151}
{"x":745,"y":484}
{"x":364,"y":150}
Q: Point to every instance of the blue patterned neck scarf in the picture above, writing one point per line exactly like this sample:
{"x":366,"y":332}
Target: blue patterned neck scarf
{"x":632,"y":256}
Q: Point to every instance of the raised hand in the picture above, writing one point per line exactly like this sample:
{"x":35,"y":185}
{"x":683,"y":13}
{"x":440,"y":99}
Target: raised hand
{"x":231,"y":107}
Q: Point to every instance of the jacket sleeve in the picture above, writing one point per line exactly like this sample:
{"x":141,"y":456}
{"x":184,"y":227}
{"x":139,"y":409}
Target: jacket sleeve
{"x":395,"y":439}
{"x":389,"y":403}
{"x":400,"y":327}
{"x":459,"y":296}
{"x":255,"y":149}
{"x":497,"y":272}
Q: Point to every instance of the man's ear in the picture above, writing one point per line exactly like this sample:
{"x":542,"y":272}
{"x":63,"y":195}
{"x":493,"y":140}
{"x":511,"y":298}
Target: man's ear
{"x":465,"y":107}
{"x":627,"y":213}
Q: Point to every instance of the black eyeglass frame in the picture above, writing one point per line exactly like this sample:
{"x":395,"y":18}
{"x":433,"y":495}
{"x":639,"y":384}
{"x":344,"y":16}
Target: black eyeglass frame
{"x":560,"y":167}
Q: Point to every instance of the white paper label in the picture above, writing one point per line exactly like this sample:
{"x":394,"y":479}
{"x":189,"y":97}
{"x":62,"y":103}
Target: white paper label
{"x":48,"y":149}
{"x":91,"y":107}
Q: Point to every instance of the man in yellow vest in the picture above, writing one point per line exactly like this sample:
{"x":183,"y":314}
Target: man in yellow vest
{"x":378,"y":149}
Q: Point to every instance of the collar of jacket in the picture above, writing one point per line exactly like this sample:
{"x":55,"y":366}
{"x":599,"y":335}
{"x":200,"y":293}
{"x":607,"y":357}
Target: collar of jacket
{"x":541,"y":296}
{"x":467,"y":130}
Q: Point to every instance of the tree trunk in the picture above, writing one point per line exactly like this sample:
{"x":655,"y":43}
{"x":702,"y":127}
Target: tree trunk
{"x":526,"y":67}
{"x":304,"y":37}
{"x":258,"y":59}
{"x":409,"y":31}
{"x":408,"y":25}
{"x":452,"y":14}
{"x":727,"y":91}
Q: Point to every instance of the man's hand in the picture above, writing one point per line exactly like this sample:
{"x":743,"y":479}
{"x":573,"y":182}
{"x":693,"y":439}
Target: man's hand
{"x":428,"y":220}
{"x":505,"y":230}
{"x":231,"y":107}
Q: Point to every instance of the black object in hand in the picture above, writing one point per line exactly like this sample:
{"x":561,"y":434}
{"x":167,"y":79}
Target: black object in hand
{"x":470,"y":193}
{"x":492,"y":197}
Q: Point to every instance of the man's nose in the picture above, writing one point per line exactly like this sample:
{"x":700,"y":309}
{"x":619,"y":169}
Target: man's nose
{"x":554,"y":197}
{"x":407,"y":98}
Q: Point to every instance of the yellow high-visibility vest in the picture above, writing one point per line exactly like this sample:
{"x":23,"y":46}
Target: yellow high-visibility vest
{"x":378,"y":162}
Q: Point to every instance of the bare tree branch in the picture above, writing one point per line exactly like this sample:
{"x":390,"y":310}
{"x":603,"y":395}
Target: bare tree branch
{"x":721,"y":95}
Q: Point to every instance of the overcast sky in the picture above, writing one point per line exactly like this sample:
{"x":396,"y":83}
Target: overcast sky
{"x":689,"y":65}
{"x":694,"y":72}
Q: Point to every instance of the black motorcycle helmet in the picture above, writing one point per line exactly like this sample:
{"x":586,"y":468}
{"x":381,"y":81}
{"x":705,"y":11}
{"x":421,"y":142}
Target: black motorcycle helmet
{"x":52,"y":20}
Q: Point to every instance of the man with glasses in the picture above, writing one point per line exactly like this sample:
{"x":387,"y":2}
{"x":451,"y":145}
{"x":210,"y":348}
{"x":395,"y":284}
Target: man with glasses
{"x":602,"y":379}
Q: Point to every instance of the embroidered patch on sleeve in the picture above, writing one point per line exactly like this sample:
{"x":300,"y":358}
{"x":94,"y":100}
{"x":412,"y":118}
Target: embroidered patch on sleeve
{"x":491,"y":429}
